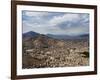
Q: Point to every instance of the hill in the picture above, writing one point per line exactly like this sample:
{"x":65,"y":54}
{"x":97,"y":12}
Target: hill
{"x":44,"y":51}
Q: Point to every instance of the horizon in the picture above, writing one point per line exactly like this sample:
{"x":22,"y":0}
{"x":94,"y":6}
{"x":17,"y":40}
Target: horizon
{"x":55,"y":34}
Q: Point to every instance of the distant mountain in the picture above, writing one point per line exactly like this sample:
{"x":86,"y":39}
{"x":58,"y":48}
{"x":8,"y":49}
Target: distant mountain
{"x":40,"y":41}
{"x":35,"y":40}
{"x":30,"y":34}
{"x":59,"y":36}
{"x":83,"y":36}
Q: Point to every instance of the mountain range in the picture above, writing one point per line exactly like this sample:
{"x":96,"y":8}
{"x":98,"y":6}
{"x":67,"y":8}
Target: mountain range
{"x":41,"y":50}
{"x":32,"y":34}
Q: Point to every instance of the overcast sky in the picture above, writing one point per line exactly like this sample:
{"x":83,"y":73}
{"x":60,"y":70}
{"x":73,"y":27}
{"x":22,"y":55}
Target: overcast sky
{"x":58,"y":23}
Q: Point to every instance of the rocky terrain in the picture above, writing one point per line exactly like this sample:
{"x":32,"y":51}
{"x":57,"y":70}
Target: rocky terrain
{"x":40,"y":51}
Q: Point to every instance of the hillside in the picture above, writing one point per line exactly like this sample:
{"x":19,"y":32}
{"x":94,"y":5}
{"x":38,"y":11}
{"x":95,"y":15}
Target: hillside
{"x":44,"y":51}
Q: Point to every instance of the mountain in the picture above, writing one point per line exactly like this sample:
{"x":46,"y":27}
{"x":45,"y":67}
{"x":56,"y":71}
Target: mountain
{"x":35,"y":40}
{"x":30,"y":34}
{"x":65,"y":37}
{"x":59,"y":36}
{"x":84,"y":35}
{"x":42,"y":51}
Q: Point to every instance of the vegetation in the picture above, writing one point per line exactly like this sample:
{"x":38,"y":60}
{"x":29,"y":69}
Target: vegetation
{"x":86,"y":54}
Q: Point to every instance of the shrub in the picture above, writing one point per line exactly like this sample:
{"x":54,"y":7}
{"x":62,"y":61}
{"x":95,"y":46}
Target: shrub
{"x":86,"y":54}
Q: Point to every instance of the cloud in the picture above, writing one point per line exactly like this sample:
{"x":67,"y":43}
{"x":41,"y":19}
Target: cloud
{"x":35,"y":14}
{"x":56,"y":23}
{"x":64,"y":18}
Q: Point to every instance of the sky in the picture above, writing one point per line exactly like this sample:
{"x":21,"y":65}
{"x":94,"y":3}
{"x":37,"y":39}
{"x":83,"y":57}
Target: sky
{"x":57,"y":23}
